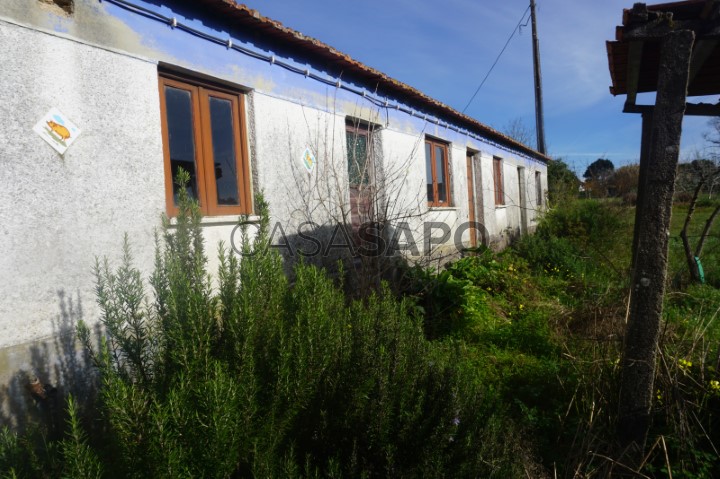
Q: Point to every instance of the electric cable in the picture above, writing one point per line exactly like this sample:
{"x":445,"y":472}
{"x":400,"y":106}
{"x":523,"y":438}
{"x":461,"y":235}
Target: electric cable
{"x":375,"y":100}
{"x":517,"y":27}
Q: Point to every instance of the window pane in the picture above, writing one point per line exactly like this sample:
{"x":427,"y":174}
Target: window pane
{"x":223,"y":143}
{"x":357,"y":158}
{"x":178,"y":104}
{"x":428,"y":169}
{"x":440,"y":173}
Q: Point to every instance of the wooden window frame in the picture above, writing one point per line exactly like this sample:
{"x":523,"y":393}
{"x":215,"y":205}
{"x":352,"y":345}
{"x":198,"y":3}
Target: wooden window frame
{"x":435,"y":203}
{"x":499,"y":186}
{"x":200,"y":93}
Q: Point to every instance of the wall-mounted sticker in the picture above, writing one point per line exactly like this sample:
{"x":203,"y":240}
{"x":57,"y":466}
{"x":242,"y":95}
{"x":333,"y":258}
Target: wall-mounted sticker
{"x":309,"y":160}
{"x":57,"y":130}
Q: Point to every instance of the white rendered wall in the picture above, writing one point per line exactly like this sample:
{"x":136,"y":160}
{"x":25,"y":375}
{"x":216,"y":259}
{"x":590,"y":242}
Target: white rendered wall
{"x":60,"y":212}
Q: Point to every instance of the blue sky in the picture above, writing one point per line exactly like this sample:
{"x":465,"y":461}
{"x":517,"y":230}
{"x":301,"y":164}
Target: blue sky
{"x":446,"y":48}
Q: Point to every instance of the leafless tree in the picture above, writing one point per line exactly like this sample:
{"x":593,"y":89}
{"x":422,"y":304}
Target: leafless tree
{"x":358,"y":214}
{"x":518,"y":130}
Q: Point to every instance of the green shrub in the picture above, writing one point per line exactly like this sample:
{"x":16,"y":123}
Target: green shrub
{"x":80,"y":461}
{"x":253,"y":376}
{"x":587,"y":223}
{"x":551,"y":255}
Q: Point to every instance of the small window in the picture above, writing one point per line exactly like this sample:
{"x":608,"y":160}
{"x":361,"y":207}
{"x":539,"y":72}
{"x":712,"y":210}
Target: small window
{"x":538,"y":189}
{"x":436,"y":167}
{"x":498,"y":180}
{"x":204,"y":133}
{"x":358,"y":153}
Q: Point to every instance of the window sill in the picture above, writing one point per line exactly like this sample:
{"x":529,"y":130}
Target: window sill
{"x":500,"y":207}
{"x":443,"y":208}
{"x":220,"y":220}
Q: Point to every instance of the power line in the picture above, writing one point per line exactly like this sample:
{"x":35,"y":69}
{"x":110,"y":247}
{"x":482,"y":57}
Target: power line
{"x":381,"y":102}
{"x":517,"y":27}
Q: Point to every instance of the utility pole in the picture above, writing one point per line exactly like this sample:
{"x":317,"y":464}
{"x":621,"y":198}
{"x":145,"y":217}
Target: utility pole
{"x":539,"y":121}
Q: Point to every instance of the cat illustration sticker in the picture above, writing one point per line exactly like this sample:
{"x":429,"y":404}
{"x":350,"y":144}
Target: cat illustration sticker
{"x":57,"y":130}
{"x":309,"y":160}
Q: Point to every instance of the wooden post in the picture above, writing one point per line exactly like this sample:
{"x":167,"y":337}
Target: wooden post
{"x":539,"y":117}
{"x":653,"y":229}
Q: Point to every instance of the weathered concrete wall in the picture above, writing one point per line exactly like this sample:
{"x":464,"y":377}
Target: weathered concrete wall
{"x":59,"y":212}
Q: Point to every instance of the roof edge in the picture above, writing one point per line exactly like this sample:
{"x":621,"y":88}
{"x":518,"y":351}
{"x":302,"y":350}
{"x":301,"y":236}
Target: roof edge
{"x":316,"y":48}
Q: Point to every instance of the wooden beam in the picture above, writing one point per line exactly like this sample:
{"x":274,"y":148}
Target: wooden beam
{"x":635,"y":50}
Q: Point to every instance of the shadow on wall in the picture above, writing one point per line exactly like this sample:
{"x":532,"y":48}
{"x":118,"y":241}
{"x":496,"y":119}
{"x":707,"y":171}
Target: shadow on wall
{"x":366,"y":260}
{"x":371,"y":254}
{"x":37,"y":378}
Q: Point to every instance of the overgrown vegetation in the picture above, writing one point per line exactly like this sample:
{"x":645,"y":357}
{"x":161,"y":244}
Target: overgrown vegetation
{"x":500,"y":365}
{"x":263,"y":378}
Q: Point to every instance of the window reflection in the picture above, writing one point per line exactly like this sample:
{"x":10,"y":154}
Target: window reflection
{"x":223,"y":142}
{"x":182,"y":141}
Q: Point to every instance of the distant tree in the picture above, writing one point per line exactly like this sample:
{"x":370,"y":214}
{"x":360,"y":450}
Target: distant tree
{"x":518,"y":130}
{"x":713,"y":136}
{"x":597,"y":175}
{"x":691,"y":173}
{"x":563,"y":183}
{"x":624,"y":183}
{"x":600,"y":169}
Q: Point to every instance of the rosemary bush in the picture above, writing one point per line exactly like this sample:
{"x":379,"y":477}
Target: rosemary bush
{"x":251,"y":376}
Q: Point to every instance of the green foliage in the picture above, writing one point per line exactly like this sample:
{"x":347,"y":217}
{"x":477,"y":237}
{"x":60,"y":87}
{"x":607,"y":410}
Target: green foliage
{"x":563,"y":183}
{"x":472,"y":295}
{"x":78,"y":458}
{"x":687,"y":409}
{"x":252,"y":376}
{"x":490,"y":302}
{"x":552,"y":255}
{"x":500,"y":365}
{"x":710,"y":257}
{"x":30,"y":455}
{"x":11,"y":453}
{"x":585,"y":222}
{"x":599,"y":169}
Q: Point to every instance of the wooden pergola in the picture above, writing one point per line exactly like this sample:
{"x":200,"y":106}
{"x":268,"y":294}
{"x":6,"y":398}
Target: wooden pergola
{"x":672,"y":49}
{"x":634,"y":56}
